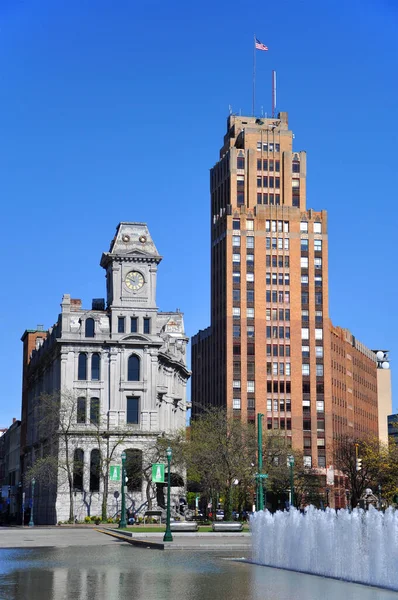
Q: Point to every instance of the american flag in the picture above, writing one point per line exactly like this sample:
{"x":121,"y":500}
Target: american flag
{"x":260,"y":45}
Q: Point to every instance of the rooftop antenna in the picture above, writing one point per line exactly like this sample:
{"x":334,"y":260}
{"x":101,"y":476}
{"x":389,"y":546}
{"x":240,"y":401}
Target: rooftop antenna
{"x":230,"y":109}
{"x":273,"y":93}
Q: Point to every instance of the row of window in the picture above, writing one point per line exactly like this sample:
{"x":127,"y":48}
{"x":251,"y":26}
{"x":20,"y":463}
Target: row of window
{"x":277,"y":314}
{"x":277,"y":332}
{"x":278,"y":350}
{"x":278,"y":368}
{"x":305,"y":316}
{"x":134,"y":323}
{"x":304,"y":262}
{"x":305,"y":351}
{"x":277,"y":243}
{"x":268,"y":181}
{"x":305,"y":370}
{"x":272,"y":199}
{"x":305,"y":333}
{"x":268,"y":165}
{"x":304,"y":227}
{"x":305,"y":298}
{"x":317,"y":280}
{"x":278,"y":404}
{"x":268,"y":147}
{"x":133,"y":465}
{"x":304,"y":245}
{"x":277,"y":278}
{"x":133,"y":367}
{"x":132,"y":410}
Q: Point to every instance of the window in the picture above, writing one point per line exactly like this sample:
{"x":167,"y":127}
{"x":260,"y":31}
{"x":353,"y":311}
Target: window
{"x":240,"y":198}
{"x":132,"y":410}
{"x":319,"y":351}
{"x":236,"y":224}
{"x":318,"y":281}
{"x":250,"y":313}
{"x":94,"y":470}
{"x":250,"y":225}
{"x":275,"y":368}
{"x":268,"y":243}
{"x":236,"y":311}
{"x":249,"y":277}
{"x":147,"y":325}
{"x":134,"y":469}
{"x":318,"y":263}
{"x":236,"y":241}
{"x":305,"y":333}
{"x":305,"y":369}
{"x":281,"y":368}
{"x":236,"y":331}
{"x":259,"y":164}
{"x":78,"y":463}
{"x":133,"y":324}
{"x":287,"y":350}
{"x":304,"y":262}
{"x":259,"y":146}
{"x":305,"y":315}
{"x":236,"y":384}
{"x":268,"y":331}
{"x":240,"y":162}
{"x":133,"y":368}
{"x":304,"y":279}
{"x":304,"y":245}
{"x":318,"y":334}
{"x":271,"y":182}
{"x":307,"y":461}
{"x":304,"y":298}
{"x":259,"y":198}
{"x":249,"y":241}
{"x":81,"y":410}
{"x":295,"y":166}
{"x":320,"y":442}
{"x":269,"y":404}
{"x":320,"y":406}
{"x":89,"y":328}
{"x":287,"y":368}
{"x":236,"y":403}
{"x":250,"y":295}
{"x":295,"y":185}
{"x":304,"y":227}
{"x":251,"y":404}
{"x":318,"y":298}
{"x":236,"y":258}
{"x":259,"y":182}
{"x":236,"y":295}
{"x":265,"y":181}
{"x":305,"y":351}
{"x":277,"y":166}
{"x":319,"y":370}
{"x":94,"y":411}
{"x":82,"y":367}
{"x":95,"y":367}
{"x":318,"y":316}
{"x":286,"y":244}
{"x":120,"y":324}
{"x":250,"y":331}
{"x":250,"y":386}
{"x":236,"y":278}
{"x":250,"y":259}
{"x":318,"y":245}
{"x":321,"y":461}
{"x":317,"y":227}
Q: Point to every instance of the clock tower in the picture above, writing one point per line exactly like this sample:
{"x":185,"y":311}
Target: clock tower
{"x":131,"y":271}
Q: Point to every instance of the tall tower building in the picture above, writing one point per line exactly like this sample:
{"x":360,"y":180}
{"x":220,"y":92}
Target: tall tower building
{"x":269,"y":348}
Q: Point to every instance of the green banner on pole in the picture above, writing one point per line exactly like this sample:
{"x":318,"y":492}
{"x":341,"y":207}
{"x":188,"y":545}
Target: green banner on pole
{"x":114,"y":472}
{"x":157,"y":473}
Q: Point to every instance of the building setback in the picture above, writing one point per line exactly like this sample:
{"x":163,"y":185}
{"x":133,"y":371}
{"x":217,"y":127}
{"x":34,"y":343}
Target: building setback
{"x":125,"y":366}
{"x":271,"y":347}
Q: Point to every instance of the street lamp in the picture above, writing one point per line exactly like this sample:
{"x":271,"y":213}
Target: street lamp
{"x":327,"y":496}
{"x":122,"y":522}
{"x":291,"y":465}
{"x":167,"y":536}
{"x":31,"y":522}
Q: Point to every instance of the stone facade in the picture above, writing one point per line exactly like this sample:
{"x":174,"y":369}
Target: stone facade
{"x":121,"y":369}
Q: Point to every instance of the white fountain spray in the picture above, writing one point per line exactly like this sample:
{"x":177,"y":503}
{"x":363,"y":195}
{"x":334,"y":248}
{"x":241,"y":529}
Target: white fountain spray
{"x":360,"y":546}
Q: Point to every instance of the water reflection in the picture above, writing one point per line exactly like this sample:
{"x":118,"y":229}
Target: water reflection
{"x":121,"y":572}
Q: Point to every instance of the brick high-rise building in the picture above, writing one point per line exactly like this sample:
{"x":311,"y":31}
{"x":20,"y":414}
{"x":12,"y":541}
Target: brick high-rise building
{"x":271,"y":348}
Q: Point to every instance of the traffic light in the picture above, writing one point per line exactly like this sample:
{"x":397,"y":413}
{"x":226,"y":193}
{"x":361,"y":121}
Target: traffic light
{"x":359,"y":464}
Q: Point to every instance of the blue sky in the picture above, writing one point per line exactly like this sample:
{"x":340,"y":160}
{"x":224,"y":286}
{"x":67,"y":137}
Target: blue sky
{"x":113,"y":111}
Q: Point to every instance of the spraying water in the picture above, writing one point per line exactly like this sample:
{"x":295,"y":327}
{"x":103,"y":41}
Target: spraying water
{"x":359,"y":546}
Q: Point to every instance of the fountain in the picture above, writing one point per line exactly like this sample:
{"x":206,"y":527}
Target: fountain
{"x":359,"y":546}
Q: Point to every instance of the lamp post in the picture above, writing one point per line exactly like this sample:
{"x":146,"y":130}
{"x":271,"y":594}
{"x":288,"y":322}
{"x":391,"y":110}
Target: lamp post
{"x":291,"y":465}
{"x":167,"y":536}
{"x":31,"y":521}
{"x":260,"y":496}
{"x":122,"y":522}
{"x":327,"y":496}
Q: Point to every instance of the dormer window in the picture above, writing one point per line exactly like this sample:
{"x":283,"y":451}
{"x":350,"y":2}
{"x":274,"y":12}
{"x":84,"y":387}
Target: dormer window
{"x":89,"y":332}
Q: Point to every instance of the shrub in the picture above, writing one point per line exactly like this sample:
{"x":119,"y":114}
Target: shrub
{"x":97,"y":521}
{"x":110,"y":520}
{"x":87,"y":519}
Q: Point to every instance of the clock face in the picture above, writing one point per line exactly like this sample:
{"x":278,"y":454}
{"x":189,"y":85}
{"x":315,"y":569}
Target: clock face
{"x":134,"y":280}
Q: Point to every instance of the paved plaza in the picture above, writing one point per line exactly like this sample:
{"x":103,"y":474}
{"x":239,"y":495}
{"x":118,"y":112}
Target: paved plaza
{"x":58,"y":537}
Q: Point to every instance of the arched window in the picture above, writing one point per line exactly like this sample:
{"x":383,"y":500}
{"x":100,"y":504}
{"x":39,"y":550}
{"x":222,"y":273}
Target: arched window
{"x":81,"y":410}
{"x":134,"y":470}
{"x":94,"y":410}
{"x":78,"y":464}
{"x":94,"y":470}
{"x":95,"y":367}
{"x":82,"y":366}
{"x":133,"y":370}
{"x":89,"y":327}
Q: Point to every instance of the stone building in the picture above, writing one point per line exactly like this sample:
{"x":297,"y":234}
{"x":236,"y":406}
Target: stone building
{"x":119,"y":368}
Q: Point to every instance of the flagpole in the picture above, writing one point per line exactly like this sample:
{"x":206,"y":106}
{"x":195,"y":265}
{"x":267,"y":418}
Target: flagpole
{"x":254,"y":73}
